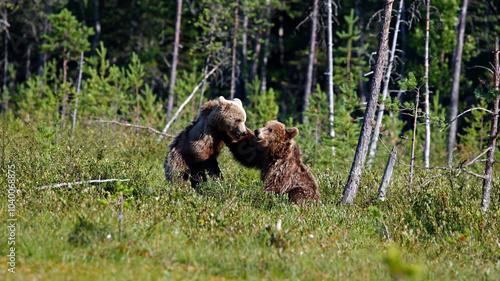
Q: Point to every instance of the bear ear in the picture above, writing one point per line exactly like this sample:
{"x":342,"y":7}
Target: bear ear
{"x":222,"y":100}
{"x":291,"y":133}
{"x":237,"y":100}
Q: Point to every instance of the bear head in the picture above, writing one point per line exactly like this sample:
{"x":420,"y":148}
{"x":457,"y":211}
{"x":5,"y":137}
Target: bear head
{"x":276,"y":139}
{"x":231,"y":118}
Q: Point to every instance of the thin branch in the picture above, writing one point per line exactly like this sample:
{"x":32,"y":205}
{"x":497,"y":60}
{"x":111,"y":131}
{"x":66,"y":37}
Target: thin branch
{"x":468,"y":110}
{"x":477,"y":157}
{"x":69,"y":184}
{"x":479,"y":66}
{"x":135,"y":126}
{"x":187,"y":100}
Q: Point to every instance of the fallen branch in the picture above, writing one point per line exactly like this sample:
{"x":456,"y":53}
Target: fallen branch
{"x":69,"y":184}
{"x":187,"y":100}
{"x":135,"y":126}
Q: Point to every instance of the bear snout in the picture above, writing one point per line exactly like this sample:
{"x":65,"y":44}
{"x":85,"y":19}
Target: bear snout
{"x":244,"y":133}
{"x":257,"y":132}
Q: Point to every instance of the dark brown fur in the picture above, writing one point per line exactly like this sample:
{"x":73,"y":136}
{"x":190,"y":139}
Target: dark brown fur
{"x":195,"y":150}
{"x":282,"y":168}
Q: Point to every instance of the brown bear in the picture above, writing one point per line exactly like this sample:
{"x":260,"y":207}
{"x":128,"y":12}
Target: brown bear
{"x":196,"y":148}
{"x":282,"y":170}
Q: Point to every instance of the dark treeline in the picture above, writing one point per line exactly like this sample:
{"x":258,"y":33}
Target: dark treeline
{"x":128,"y":49}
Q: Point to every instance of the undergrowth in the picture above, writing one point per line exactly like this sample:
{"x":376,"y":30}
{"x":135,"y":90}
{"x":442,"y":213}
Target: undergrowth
{"x":230,"y":229}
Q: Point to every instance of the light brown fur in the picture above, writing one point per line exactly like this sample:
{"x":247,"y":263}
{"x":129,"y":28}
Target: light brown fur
{"x":282,"y":168}
{"x":196,"y":148}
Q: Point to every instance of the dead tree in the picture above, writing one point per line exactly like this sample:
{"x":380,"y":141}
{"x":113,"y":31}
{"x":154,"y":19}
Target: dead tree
{"x":358,"y":163}
{"x":385,"y":92}
{"x":265,"y":59}
{"x":235,"y":42}
{"x":175,"y":59}
{"x":77,"y":95}
{"x":427,"y":147}
{"x":331,"y":100}
{"x":457,"y":63}
{"x":386,"y":179}
{"x":490,"y":160}
{"x":310,"y":60}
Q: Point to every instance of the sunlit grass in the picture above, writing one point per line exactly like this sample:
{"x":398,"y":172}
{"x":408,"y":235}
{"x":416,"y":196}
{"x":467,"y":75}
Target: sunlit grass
{"x":229,"y":229}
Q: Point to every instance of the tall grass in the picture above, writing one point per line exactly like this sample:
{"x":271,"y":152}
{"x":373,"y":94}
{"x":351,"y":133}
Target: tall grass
{"x":229,"y":229}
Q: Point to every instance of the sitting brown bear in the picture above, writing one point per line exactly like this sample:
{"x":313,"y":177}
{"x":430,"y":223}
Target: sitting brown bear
{"x":196,"y":148}
{"x":279,"y":159}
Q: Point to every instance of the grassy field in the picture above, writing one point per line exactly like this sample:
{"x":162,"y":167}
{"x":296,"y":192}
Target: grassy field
{"x":230,"y":230}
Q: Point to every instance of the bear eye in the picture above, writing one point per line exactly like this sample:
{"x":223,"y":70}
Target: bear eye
{"x":270,"y":130}
{"x":238,"y":120}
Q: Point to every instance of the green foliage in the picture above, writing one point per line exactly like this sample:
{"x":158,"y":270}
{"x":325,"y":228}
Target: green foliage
{"x":178,"y":232}
{"x":67,"y":35}
{"x":398,"y":268}
{"x":409,"y":83}
{"x":263,"y":105}
{"x":475,"y":137}
{"x":347,"y":127}
{"x":347,"y":66}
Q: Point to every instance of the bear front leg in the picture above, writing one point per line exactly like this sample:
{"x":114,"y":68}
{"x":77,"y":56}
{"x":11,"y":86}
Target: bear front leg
{"x":212,"y":167}
{"x":198,"y":176}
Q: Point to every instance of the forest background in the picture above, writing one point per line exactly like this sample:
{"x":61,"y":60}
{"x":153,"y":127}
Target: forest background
{"x":76,"y":73}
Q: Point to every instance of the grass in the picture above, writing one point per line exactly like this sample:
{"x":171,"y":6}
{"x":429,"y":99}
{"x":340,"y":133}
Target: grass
{"x":228,"y":230}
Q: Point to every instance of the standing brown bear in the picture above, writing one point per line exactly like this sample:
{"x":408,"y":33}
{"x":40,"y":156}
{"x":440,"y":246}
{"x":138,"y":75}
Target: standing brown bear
{"x":282,"y":170}
{"x":196,"y":148}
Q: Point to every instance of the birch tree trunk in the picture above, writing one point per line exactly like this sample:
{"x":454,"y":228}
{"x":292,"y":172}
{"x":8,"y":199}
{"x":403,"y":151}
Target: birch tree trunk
{"x":73,"y":124}
{"x":256,"y":53}
{"x":385,"y":92}
{"x":263,"y":75}
{"x":233,"y":63}
{"x":175,"y":59}
{"x":331,"y":101}
{"x":457,"y":63}
{"x":358,"y":163}
{"x":427,"y":147}
{"x":490,"y":160}
{"x":310,"y":60}
{"x":414,"y":135}
{"x":244,"y":52}
{"x":65,"y":97}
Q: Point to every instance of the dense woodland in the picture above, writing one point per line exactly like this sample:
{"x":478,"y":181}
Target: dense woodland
{"x":95,"y":90}
{"x":78,"y":62}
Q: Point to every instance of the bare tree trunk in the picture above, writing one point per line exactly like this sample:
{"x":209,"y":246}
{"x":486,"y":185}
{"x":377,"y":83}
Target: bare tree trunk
{"x":186,"y":101}
{"x":358,"y":163}
{"x":235,"y":45}
{"x":175,"y":59}
{"x":414,"y":136}
{"x":310,"y":60}
{"x":386,"y":179}
{"x":331,"y":100}
{"x":5,"y":90}
{"x":77,"y":94}
{"x":385,"y":92}
{"x":65,"y":97}
{"x":263,"y":66}
{"x":256,"y":53}
{"x":490,"y":160}
{"x":457,"y":65}
{"x":427,"y":148}
{"x":28,"y":61}
{"x":244,"y":59}
{"x":97,"y":26}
